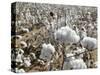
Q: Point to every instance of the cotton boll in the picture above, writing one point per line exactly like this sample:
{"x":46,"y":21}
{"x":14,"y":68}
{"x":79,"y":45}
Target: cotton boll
{"x":74,"y":38}
{"x":25,"y":30}
{"x":17,"y":37}
{"x":20,"y":51}
{"x":19,"y":58}
{"x":27,"y":62}
{"x":47,"y":52}
{"x":19,"y":70}
{"x":23,"y":44}
{"x":41,"y":62}
{"x":66,"y":35}
{"x":89,"y":43}
{"x":51,"y":47}
{"x":69,"y":57}
{"x":44,"y":46}
{"x":32,"y":55}
{"x":78,"y":64}
{"x":72,"y":63}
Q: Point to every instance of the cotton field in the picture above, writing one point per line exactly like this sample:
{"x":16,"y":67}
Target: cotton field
{"x":51,"y":37}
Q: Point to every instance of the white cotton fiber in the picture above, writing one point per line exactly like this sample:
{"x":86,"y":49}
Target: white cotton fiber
{"x":89,"y":43}
{"x":66,"y":34}
{"x":47,"y":51}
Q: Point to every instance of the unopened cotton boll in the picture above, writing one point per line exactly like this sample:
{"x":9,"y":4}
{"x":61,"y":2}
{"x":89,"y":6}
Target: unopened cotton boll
{"x":89,"y":43}
{"x":66,"y":34}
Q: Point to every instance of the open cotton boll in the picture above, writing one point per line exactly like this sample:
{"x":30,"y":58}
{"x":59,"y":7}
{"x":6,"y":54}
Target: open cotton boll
{"x":25,"y":30}
{"x":17,"y":37}
{"x":77,"y":64}
{"x":47,"y":51}
{"x":89,"y":43}
{"x":69,"y":57}
{"x":66,"y":34}
{"x":73,"y":37}
{"x":33,"y":55}
{"x":20,"y":51}
{"x":51,"y":47}
{"x":19,"y":58}
{"x":75,"y":28}
{"x":19,"y":70}
{"x":23,"y":44}
{"x":27,"y":62}
{"x":72,"y":63}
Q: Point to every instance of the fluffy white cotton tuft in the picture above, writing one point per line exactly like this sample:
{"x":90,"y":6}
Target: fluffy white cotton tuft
{"x":27,"y":62}
{"x":19,"y":70}
{"x":89,"y":43}
{"x":78,"y":64}
{"x":66,"y":34}
{"x":19,"y":58}
{"x":47,"y":51}
{"x":72,"y":63}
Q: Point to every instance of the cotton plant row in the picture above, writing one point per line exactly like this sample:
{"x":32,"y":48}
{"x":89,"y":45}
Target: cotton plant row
{"x":36,"y":13}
